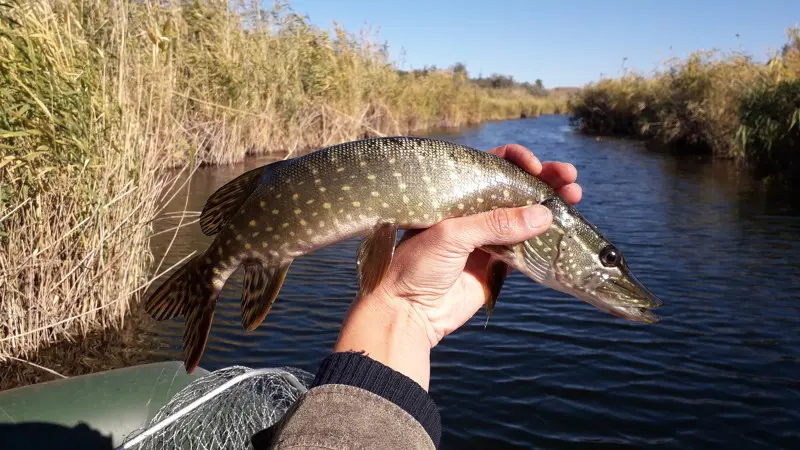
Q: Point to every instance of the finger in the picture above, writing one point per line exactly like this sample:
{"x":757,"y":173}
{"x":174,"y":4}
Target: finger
{"x":558,"y":174}
{"x":572,"y":193}
{"x":561,"y":176}
{"x":520,"y":156}
{"x":476,"y":280}
{"x":502,"y":226}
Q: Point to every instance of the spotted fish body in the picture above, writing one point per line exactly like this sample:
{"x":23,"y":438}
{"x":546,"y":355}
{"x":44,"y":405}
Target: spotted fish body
{"x":269,"y":216}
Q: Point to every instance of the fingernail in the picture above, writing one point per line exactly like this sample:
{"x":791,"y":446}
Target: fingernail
{"x":537,"y":216}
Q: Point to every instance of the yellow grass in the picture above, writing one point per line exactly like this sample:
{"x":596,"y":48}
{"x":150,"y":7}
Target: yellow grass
{"x":98,"y":99}
{"x":711,"y":102}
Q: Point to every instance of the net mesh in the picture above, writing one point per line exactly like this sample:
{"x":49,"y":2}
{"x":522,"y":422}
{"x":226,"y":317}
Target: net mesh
{"x":222,"y":410}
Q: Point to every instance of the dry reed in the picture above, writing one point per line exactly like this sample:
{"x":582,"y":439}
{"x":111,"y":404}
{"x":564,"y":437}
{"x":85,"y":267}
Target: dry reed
{"x":98,"y":99}
{"x":83,"y":171}
{"x":724,"y":104}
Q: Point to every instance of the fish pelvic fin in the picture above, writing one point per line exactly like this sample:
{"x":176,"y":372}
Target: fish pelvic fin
{"x":191,"y":291}
{"x":496,"y":273}
{"x":262,"y":283}
{"x":226,"y":200}
{"x":374,"y":257}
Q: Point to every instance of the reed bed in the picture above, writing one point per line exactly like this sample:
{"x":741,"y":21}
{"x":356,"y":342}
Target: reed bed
{"x":723,"y":104}
{"x":82,"y":129}
{"x":102,"y":102}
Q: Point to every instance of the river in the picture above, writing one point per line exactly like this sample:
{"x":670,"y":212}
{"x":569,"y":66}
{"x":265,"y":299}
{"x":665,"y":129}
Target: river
{"x":721,"y":369}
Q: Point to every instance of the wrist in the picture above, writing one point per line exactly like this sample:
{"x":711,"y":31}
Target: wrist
{"x":390,"y":331}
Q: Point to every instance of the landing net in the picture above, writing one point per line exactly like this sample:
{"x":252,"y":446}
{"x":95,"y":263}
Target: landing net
{"x":222,"y":410}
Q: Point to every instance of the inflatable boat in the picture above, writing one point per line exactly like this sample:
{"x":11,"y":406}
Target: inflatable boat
{"x":149,"y":407}
{"x":92,"y":412}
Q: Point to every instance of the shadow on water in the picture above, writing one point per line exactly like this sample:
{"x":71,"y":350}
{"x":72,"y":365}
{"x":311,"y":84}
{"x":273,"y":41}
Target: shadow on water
{"x":721,"y":369}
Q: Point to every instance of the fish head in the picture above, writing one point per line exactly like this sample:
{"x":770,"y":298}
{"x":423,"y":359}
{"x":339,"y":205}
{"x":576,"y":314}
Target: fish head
{"x":573,"y":257}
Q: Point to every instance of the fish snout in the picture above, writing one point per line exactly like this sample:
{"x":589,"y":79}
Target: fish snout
{"x":626,"y":297}
{"x":634,"y":300}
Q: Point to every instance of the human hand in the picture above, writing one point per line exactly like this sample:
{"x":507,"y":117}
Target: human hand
{"x":437,"y":279}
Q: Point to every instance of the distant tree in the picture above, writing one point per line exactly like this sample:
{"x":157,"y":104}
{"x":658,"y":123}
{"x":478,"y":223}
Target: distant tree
{"x":418,"y":72}
{"x":501,"y":81}
{"x":427,"y":69}
{"x":793,"y":44}
{"x":460,"y":69}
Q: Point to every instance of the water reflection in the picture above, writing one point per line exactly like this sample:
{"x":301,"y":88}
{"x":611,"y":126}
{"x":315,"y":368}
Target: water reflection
{"x":721,"y":369}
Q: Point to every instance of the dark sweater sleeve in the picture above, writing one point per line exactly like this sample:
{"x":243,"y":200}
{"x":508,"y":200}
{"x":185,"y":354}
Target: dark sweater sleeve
{"x":361,"y":371}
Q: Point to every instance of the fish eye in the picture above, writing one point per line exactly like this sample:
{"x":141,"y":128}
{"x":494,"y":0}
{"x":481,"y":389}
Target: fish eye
{"x":609,"y":256}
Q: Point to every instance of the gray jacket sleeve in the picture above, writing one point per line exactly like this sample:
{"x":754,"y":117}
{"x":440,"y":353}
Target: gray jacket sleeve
{"x":337,"y":416}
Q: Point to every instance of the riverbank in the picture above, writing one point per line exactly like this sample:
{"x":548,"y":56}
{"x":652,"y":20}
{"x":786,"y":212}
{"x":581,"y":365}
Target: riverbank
{"x":98,"y":350}
{"x":100,"y":99}
{"x":720,"y":104}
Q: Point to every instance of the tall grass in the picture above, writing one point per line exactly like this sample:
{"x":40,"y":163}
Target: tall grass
{"x":82,"y":131}
{"x":704,"y":104}
{"x":770,"y":129}
{"x":262,"y":80}
{"x":98,"y":99}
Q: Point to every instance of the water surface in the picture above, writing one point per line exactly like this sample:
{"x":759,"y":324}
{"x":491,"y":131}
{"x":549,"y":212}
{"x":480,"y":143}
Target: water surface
{"x":721,"y":369}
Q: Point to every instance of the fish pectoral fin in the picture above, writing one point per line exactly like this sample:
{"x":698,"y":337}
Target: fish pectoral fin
{"x":261,"y":286}
{"x":496,"y":273}
{"x":534,"y":259}
{"x":501,"y":252}
{"x":226,"y":200}
{"x":374,"y":256}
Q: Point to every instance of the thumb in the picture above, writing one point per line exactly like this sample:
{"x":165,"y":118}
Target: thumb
{"x":502,"y":226}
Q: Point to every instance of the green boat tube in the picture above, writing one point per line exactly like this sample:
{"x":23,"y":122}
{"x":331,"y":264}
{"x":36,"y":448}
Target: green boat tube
{"x":89,"y":412}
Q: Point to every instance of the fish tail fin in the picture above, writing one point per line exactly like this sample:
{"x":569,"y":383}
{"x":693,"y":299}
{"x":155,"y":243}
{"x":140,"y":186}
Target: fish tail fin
{"x":191,"y":291}
{"x":262,"y":283}
{"x":196,"y":329}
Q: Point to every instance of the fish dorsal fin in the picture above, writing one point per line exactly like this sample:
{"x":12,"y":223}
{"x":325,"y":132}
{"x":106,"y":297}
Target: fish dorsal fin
{"x":261,"y":286}
{"x":226,"y":200}
{"x":374,"y":256}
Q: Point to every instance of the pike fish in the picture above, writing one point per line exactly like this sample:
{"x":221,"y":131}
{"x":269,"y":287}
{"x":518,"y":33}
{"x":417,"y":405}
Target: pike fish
{"x":269,"y":216}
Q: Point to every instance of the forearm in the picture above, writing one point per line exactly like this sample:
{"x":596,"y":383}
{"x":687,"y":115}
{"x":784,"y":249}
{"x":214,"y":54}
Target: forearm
{"x":356,"y":399}
{"x":339,"y":415}
{"x":391,"y":333}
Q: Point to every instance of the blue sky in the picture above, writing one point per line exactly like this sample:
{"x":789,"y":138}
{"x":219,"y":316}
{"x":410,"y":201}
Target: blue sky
{"x":565,"y":43}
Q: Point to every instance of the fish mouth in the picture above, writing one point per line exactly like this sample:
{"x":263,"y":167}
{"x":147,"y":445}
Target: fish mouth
{"x":625,"y":297}
{"x":642,"y":315}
